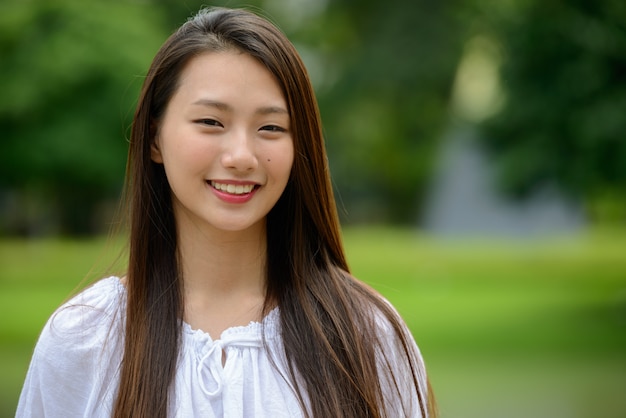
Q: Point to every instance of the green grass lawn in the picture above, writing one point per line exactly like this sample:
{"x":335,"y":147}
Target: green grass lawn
{"x":508,"y":329}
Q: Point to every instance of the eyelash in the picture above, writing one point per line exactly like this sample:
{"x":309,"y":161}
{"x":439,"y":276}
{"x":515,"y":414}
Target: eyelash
{"x":269,"y":128}
{"x":273,"y":128}
{"x":209,"y":122}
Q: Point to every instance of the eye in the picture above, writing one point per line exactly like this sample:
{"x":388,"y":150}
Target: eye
{"x":273,"y":128}
{"x":209,"y":122}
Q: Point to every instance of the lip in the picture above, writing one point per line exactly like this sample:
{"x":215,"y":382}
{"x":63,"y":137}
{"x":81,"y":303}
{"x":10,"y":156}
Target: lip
{"x":234,"y":198}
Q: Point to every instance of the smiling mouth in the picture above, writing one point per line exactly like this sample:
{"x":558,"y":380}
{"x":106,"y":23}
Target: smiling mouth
{"x":236,"y":189}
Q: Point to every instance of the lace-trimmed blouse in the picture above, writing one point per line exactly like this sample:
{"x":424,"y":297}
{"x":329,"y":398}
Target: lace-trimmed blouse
{"x":74,"y":371}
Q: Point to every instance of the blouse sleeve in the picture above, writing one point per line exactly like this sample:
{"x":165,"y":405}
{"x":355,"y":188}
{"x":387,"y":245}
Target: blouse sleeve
{"x":402,"y":372}
{"x":70,"y":364}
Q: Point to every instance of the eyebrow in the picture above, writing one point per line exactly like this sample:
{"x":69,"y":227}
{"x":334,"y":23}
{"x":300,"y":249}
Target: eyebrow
{"x":266,"y":110}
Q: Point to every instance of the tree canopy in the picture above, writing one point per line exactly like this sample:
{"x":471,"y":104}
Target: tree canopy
{"x":70,"y":74}
{"x":564,"y":121}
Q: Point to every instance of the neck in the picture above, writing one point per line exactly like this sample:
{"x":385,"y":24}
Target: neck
{"x":223,"y":275}
{"x":218,"y":265}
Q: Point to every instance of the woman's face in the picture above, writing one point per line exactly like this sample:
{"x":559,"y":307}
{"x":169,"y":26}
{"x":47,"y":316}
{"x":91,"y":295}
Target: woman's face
{"x":225,"y":143}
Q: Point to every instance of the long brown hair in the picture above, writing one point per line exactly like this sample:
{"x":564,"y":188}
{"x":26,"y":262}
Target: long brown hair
{"x":328,"y":319}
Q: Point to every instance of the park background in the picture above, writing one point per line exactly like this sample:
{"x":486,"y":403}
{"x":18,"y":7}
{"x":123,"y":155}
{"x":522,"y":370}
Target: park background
{"x":478,"y":153}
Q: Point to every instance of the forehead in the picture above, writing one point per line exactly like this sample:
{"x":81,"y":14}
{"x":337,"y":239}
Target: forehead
{"x":232,"y":75}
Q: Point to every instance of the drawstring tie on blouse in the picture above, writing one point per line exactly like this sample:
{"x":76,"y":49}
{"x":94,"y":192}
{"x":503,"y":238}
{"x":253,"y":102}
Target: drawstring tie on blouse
{"x":214,"y":358}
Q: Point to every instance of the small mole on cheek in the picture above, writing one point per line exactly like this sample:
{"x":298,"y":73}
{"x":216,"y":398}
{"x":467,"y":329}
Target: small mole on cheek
{"x":269,"y":159}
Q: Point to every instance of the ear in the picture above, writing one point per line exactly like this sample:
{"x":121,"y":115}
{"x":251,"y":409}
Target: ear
{"x":155,"y":150}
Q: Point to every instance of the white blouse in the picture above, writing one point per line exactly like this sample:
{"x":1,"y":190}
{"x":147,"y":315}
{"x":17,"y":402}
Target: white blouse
{"x":74,"y":371}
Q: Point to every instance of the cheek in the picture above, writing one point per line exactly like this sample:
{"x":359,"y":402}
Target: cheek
{"x":279,"y":160}
{"x":283,"y":163}
{"x":188,"y":153}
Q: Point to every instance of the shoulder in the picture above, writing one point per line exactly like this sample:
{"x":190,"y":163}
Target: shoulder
{"x":382,"y":316}
{"x":86,"y":318}
{"x":73,"y":365}
{"x":380,"y":321}
{"x":92,"y":309}
{"x":401,"y":368}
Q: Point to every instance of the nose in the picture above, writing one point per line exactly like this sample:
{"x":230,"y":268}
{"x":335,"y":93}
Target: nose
{"x":239,"y":153}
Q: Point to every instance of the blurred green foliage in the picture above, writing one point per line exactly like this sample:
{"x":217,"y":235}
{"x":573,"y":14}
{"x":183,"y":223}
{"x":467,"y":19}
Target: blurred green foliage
{"x":385,"y":111}
{"x":384,"y":72}
{"x":564,"y":121}
{"x":70,"y":74}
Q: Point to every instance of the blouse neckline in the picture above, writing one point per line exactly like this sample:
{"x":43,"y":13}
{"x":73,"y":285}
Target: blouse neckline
{"x":254,"y":329}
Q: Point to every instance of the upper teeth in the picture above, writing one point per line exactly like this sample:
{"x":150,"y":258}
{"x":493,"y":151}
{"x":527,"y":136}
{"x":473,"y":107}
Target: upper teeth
{"x":233,"y":188}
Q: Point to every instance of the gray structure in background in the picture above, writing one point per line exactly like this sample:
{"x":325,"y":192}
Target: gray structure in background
{"x":463,"y":200}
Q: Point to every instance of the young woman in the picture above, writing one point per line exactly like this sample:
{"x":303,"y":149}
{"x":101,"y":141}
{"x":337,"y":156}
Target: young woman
{"x":238,"y":301}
